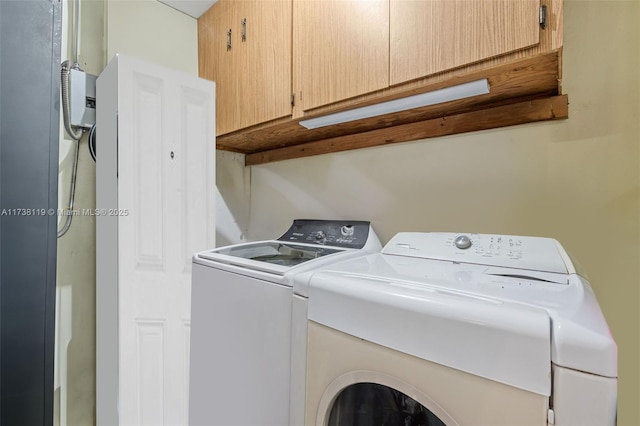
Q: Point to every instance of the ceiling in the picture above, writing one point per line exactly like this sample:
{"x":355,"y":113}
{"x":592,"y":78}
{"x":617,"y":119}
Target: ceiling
{"x":193,"y":8}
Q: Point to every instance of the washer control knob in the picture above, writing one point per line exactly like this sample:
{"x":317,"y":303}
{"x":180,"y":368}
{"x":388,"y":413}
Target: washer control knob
{"x":347,"y":230}
{"x":462,"y":242}
{"x":320,"y":235}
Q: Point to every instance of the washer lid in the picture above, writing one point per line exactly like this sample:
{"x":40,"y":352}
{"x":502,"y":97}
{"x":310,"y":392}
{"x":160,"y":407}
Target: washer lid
{"x":306,"y":240}
{"x":499,"y":340}
{"x":276,"y":257}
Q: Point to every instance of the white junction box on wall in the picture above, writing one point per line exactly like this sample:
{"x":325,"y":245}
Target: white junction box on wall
{"x":82,"y":107}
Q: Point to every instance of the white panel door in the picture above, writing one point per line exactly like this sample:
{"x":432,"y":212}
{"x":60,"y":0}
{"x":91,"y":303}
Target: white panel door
{"x":165,"y":206}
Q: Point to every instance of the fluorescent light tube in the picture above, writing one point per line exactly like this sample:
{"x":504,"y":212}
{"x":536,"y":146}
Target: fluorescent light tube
{"x":460,"y":91}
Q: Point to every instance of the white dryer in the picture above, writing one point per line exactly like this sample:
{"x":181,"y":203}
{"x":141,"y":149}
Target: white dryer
{"x":455,"y":329}
{"x":241,"y":319}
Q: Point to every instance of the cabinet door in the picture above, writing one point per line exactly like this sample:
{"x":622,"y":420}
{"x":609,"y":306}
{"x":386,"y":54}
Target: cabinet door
{"x":253,"y":75}
{"x":217,"y":63}
{"x":340,"y":50}
{"x":430,"y":36}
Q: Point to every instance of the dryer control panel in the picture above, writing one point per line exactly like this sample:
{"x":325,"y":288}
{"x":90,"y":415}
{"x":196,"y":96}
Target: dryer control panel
{"x":337,"y":233}
{"x":511,"y":251}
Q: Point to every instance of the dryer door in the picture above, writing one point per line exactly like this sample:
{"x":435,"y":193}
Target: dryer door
{"x":376,"y":404}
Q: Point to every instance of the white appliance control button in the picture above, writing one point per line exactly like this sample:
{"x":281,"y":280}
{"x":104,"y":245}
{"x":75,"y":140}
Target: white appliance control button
{"x":346,"y":230}
{"x":320,"y":235}
{"x":462,"y":242}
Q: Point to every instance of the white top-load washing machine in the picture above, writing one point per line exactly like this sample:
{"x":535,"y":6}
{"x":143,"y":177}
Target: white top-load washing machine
{"x":443,"y":328}
{"x":241,"y":319}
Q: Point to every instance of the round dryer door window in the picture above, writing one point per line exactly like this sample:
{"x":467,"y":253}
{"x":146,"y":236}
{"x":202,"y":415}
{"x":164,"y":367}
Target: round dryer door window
{"x":365,"y":404}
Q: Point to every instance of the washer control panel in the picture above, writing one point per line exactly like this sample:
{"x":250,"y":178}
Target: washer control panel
{"x":337,"y":233}
{"x":522,"y":252}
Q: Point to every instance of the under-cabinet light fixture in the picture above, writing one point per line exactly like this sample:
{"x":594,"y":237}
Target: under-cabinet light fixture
{"x":452,"y":93}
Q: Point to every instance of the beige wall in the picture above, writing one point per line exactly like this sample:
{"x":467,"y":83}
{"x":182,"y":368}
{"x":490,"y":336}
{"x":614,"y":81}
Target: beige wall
{"x":155,"y":32}
{"x":152,"y":31}
{"x":576,"y":180}
{"x":75,"y":313}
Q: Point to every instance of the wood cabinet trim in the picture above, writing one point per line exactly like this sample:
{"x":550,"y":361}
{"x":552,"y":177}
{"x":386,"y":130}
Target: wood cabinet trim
{"x":552,"y":108}
{"x":528,"y":78}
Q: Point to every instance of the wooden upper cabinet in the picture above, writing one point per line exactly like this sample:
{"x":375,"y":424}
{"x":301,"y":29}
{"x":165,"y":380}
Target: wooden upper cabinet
{"x":245,"y":47}
{"x":340,"y":50}
{"x":216,"y":63}
{"x":335,"y":55}
{"x":430,"y":36}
